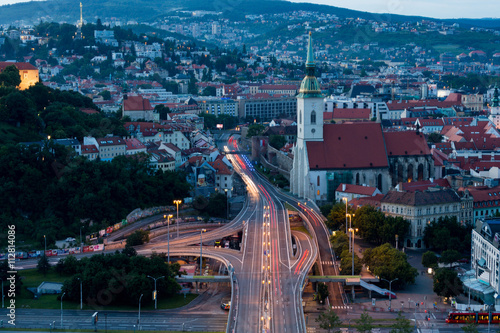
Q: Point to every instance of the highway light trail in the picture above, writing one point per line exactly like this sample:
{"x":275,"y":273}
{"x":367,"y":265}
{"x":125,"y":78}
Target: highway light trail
{"x":298,"y":268}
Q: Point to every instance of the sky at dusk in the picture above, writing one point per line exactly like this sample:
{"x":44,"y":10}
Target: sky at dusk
{"x":429,"y":8}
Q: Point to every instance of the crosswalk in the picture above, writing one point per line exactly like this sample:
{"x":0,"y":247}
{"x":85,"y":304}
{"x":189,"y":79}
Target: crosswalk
{"x":341,"y":307}
{"x":327,"y":263}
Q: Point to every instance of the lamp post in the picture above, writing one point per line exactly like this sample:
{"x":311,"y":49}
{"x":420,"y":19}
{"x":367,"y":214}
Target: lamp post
{"x":489,"y":315}
{"x":201,"y":249}
{"x":81,"y":298}
{"x":390,"y":290}
{"x":2,"y":295}
{"x":351,"y":248}
{"x":62,"y":310}
{"x":177,"y":203}
{"x":45,"y":241}
{"x":352,"y":264}
{"x":345,"y":199}
{"x":168,"y":231}
{"x":227,"y":205}
{"x":139,"y":318}
{"x":156,"y":293}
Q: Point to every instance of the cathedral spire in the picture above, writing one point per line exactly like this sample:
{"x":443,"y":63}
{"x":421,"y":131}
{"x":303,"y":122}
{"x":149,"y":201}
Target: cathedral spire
{"x":310,"y":86}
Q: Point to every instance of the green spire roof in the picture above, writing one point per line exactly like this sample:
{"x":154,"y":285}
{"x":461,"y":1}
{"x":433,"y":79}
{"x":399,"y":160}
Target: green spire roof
{"x":310,"y":87}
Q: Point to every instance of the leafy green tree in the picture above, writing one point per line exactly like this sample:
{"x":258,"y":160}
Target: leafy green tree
{"x":139,"y":237}
{"x":339,"y":241}
{"x":209,"y":91}
{"x":106,"y":95}
{"x":255,"y":130}
{"x":129,"y":251}
{"x":325,"y":209}
{"x":401,"y":325}
{"x":163,"y":111}
{"x":447,"y":283}
{"x":364,"y":323}
{"x":470,"y":328}
{"x":346,"y":263}
{"x":323,"y":292}
{"x":10,"y":77}
{"x":450,"y":256}
{"x":192,"y":88}
{"x":43,"y":265}
{"x":337,"y":218}
{"x":388,"y":263}
{"x":277,"y":141}
{"x":435,"y":138}
{"x":429,"y":259}
{"x":329,"y":321}
{"x":376,"y":228}
{"x":447,"y":233}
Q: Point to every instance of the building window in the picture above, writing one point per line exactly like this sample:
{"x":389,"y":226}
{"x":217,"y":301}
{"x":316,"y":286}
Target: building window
{"x":313,"y":117}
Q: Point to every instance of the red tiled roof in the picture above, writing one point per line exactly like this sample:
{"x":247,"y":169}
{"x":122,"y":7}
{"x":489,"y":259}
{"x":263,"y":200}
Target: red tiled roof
{"x":110,"y":141}
{"x":348,"y":146}
{"x":425,"y":184}
{"x":407,"y":143}
{"x":366,"y":201}
{"x":485,"y":194}
{"x":221,"y":167}
{"x":356,"y":189}
{"x":133,"y":143}
{"x":89,"y":149}
{"x":351,"y":113}
{"x":136,"y":103}
{"x":22,"y":66}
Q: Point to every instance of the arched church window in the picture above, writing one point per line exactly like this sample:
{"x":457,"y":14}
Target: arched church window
{"x":313,"y":117}
{"x":300,"y":116}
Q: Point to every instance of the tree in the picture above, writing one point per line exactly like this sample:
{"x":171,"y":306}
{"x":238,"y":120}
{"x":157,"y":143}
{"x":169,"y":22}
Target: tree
{"x":401,"y":325}
{"x":470,"y":328}
{"x":277,"y":141}
{"x":129,"y":251}
{"x":323,"y":292}
{"x":388,"y":263}
{"x":346,"y":263}
{"x":163,"y":111}
{"x":106,"y":95}
{"x":364,"y":323}
{"x":10,"y":77}
{"x":447,"y":283}
{"x":43,"y":265}
{"x":450,"y":256}
{"x":329,"y":321}
{"x":378,"y":229}
{"x":447,"y":233}
{"x":339,"y":241}
{"x":192,"y":88}
{"x":337,"y":218}
{"x":429,"y":259}
{"x":255,"y":130}
{"x":435,"y":138}
{"x":209,"y":91}
{"x":139,"y":237}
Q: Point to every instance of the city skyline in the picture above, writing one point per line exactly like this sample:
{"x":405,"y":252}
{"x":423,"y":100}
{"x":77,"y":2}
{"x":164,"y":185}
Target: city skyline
{"x":444,"y":9}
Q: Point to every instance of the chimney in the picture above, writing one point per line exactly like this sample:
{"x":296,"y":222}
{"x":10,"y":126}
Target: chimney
{"x":125,"y":96}
{"x":343,"y":187}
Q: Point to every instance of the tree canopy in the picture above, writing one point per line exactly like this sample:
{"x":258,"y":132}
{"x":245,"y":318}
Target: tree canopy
{"x":389,"y":263}
{"x":377,"y":228}
{"x":447,"y":283}
{"x":119,"y":279}
{"x":447,"y":233}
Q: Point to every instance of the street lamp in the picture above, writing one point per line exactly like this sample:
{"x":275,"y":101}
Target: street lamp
{"x":352,"y":264}
{"x":345,"y":199}
{"x":155,"y":293}
{"x":139,"y":318}
{"x":62,"y":310}
{"x":168,"y":231}
{"x":201,"y":249}
{"x":489,"y":315}
{"x":390,"y":290}
{"x":81,"y":298}
{"x":350,"y":226}
{"x":227,"y":205}
{"x":2,"y":295}
{"x":177,"y":203}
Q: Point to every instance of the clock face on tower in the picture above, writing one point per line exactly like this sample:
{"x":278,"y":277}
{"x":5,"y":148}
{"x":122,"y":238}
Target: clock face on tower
{"x":313,"y":130}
